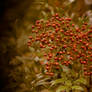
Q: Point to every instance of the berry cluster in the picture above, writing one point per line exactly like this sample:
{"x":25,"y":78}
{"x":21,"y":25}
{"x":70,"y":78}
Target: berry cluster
{"x":63,"y":43}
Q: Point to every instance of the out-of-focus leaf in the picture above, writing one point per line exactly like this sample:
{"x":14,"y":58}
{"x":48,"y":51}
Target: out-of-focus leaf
{"x":61,"y":88}
{"x":77,"y":88}
{"x":36,"y":58}
{"x":68,"y":83}
{"x":42,"y":82}
{"x":31,"y":49}
{"x":58,"y":81}
{"x":39,"y":76}
{"x":81,"y":80}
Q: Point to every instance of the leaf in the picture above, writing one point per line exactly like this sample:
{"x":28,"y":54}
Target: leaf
{"x":81,"y":80}
{"x":68,"y":83}
{"x":42,"y":82}
{"x":31,"y":49}
{"x":61,"y":88}
{"x":39,"y":76}
{"x":58,"y":81}
{"x":77,"y":88}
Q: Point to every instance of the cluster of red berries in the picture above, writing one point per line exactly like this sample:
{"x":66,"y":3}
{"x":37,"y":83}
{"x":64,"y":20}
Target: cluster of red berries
{"x":63,"y":43}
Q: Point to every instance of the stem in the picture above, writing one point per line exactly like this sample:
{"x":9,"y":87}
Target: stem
{"x":89,"y":88}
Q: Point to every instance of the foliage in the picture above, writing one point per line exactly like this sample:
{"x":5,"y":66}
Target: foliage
{"x":37,"y":10}
{"x":27,"y":75}
{"x":64,"y":45}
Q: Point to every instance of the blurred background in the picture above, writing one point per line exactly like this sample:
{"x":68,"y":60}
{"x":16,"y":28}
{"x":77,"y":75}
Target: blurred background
{"x":16,"y":19}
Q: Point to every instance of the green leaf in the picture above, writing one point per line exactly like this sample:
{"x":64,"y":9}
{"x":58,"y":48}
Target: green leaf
{"x":61,"y":88}
{"x":81,"y":81}
{"x":77,"y":88}
{"x":68,"y":83}
{"x":31,"y":49}
{"x":58,"y":81}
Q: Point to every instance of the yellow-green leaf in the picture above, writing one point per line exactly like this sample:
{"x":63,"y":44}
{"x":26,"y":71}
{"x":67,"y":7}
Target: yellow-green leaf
{"x":81,"y":81}
{"x":68,"y":83}
{"x":61,"y":88}
{"x":77,"y":88}
{"x":62,"y":80}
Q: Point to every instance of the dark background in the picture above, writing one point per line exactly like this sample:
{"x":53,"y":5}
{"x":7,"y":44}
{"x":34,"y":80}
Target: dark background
{"x":4,"y":34}
{"x":7,"y":49}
